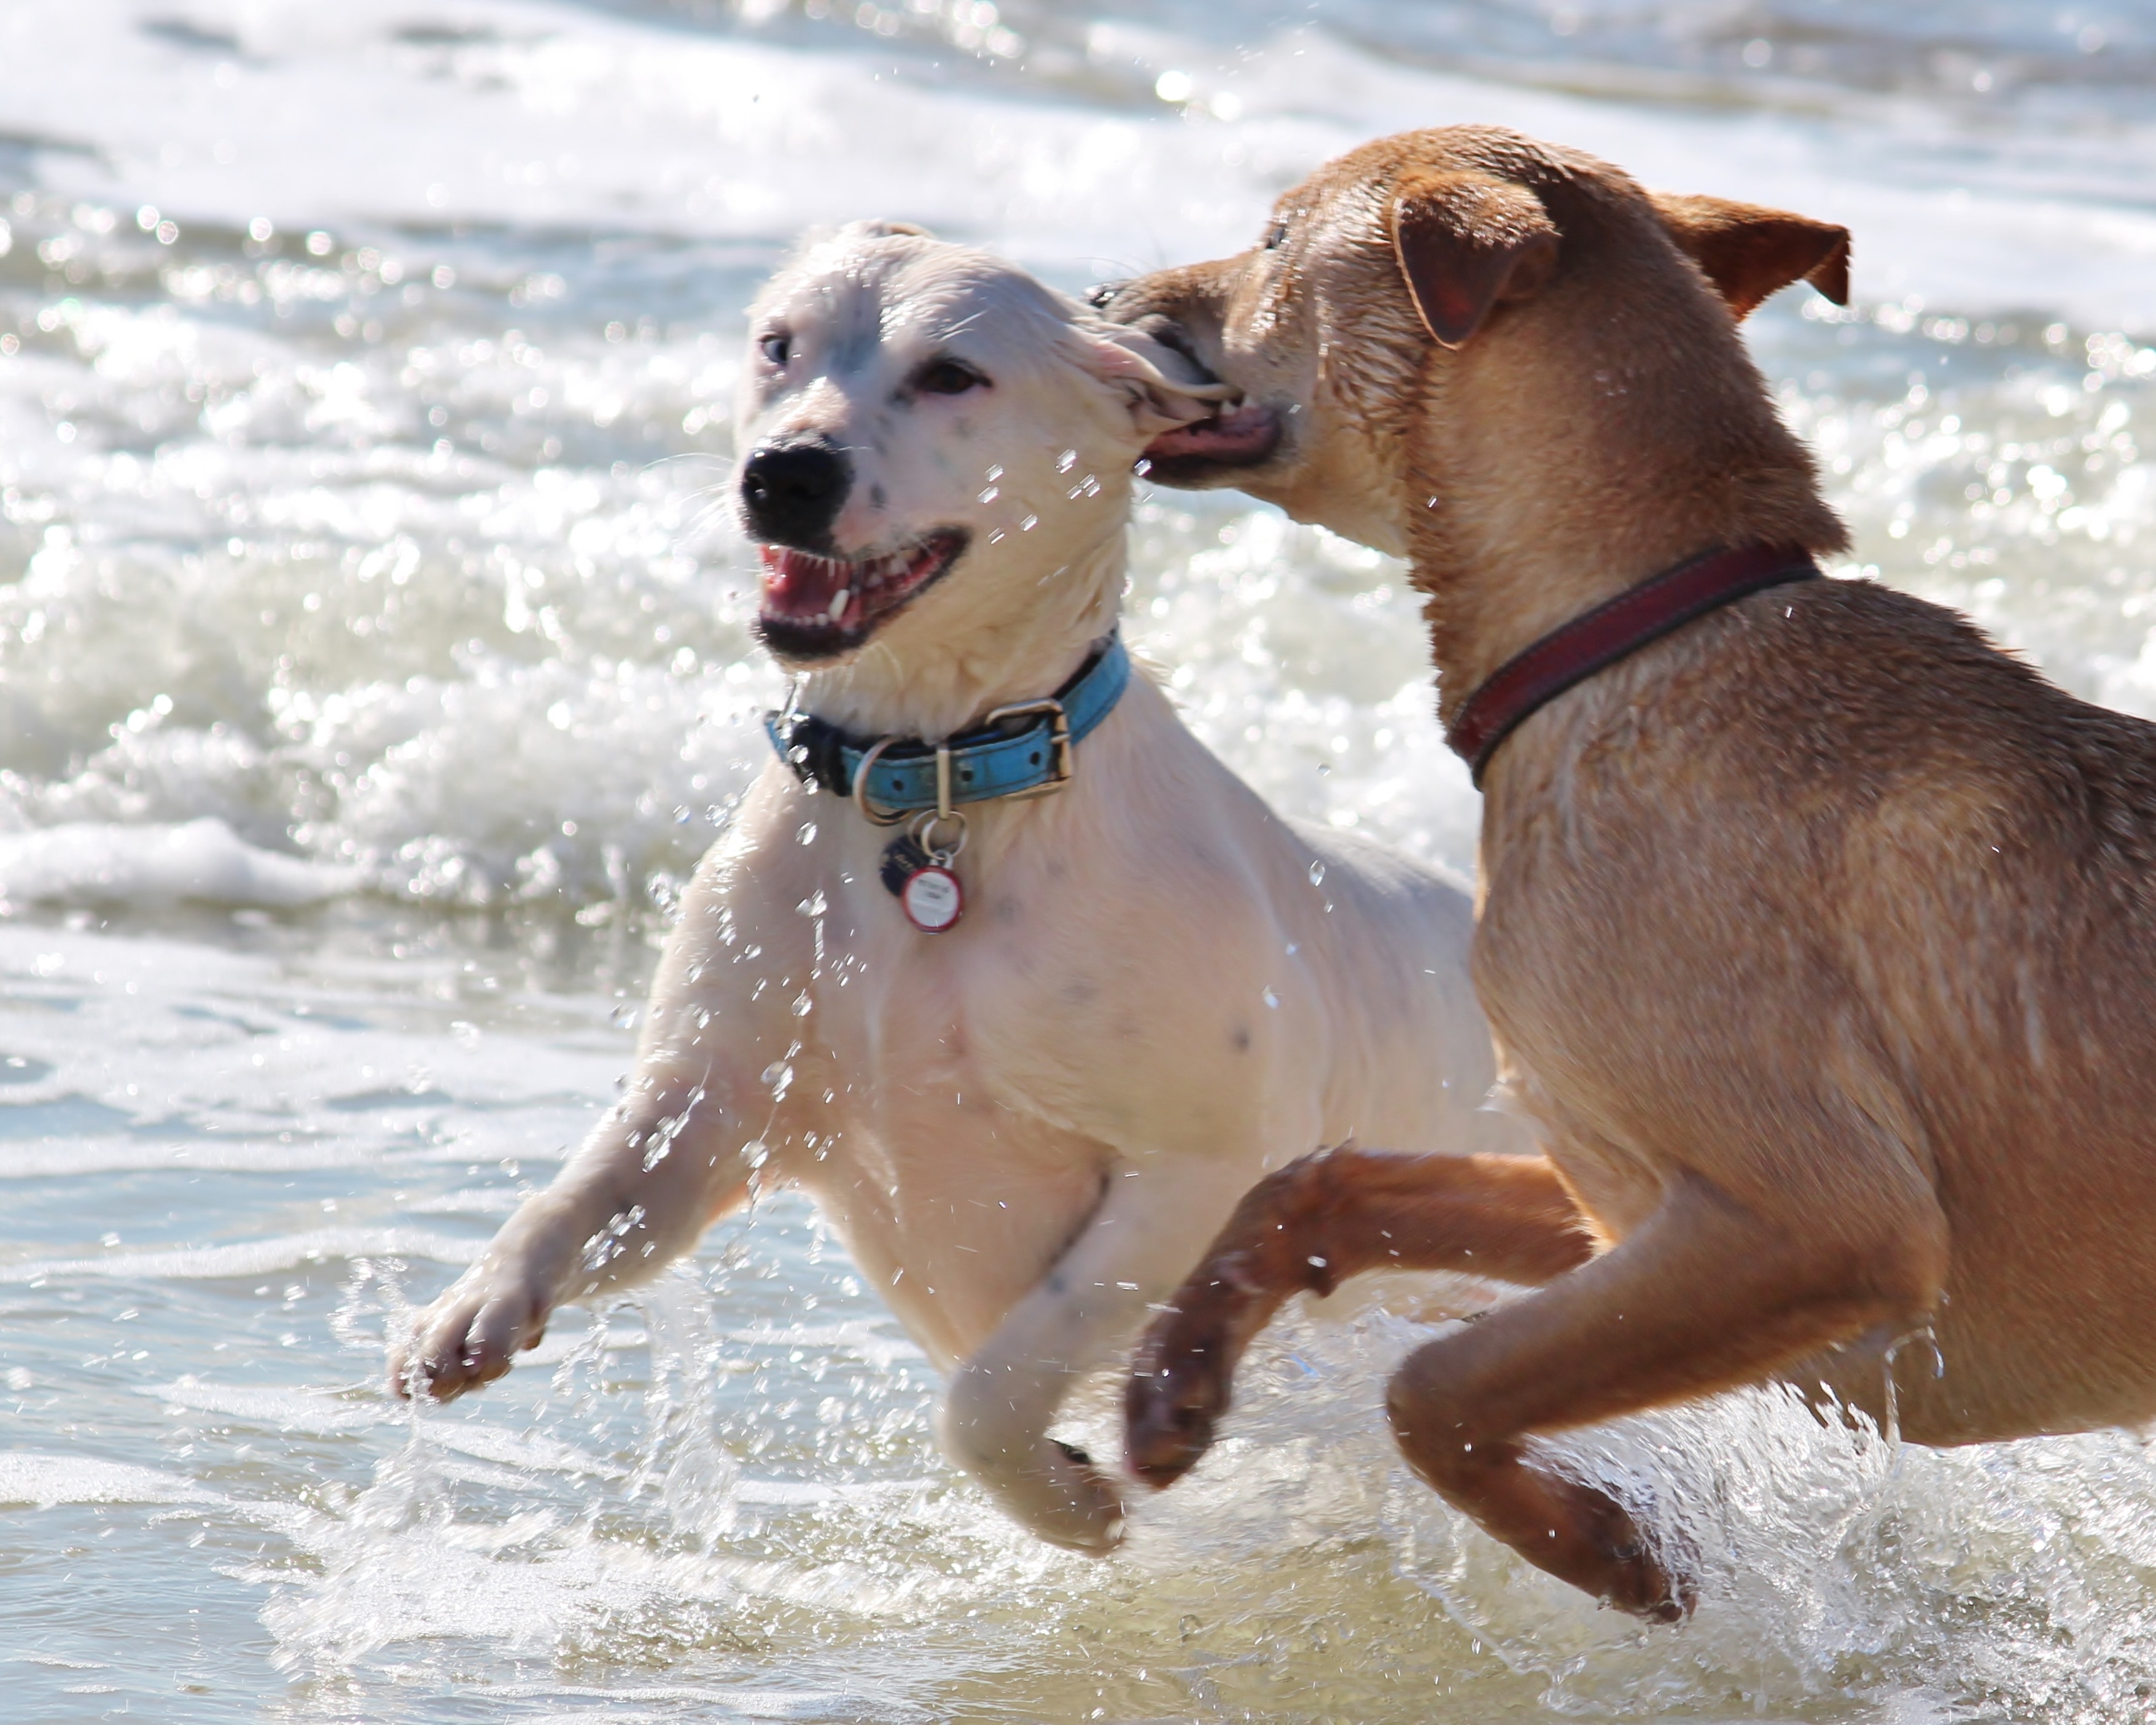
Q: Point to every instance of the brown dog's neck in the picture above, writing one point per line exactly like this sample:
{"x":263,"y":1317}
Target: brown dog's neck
{"x":1565,"y":457}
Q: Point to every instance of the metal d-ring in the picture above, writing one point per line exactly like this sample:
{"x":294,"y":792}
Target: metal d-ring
{"x":869,"y":813}
{"x":927,"y":821}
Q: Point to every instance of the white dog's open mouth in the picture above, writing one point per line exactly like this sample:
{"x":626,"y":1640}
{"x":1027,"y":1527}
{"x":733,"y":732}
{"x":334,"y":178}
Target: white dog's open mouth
{"x":1241,"y":437}
{"x":818,"y":607}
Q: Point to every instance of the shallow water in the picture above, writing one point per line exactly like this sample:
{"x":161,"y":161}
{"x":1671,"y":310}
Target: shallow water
{"x":373,"y":667}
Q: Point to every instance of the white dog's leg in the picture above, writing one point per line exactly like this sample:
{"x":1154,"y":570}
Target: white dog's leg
{"x":1131,"y":1251}
{"x":653,"y":1174}
{"x":672,"y":1154}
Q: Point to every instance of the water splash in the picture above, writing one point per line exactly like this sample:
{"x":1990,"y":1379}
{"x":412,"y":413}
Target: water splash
{"x":683,"y":1465}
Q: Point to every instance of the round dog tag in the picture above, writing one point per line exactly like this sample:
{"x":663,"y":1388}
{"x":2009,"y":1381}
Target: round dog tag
{"x":932,"y":898}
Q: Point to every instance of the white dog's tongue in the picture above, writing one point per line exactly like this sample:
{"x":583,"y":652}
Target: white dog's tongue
{"x":799,"y":584}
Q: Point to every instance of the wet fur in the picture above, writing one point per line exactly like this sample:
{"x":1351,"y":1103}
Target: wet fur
{"x":1027,"y":1128}
{"x":1820,"y":937}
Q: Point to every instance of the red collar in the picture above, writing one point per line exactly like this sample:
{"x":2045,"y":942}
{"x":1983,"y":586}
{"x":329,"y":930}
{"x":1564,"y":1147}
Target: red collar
{"x":1574,"y":651}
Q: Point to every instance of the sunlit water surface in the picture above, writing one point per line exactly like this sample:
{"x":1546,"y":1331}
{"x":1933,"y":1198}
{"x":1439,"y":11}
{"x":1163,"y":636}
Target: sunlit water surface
{"x":372,"y":669}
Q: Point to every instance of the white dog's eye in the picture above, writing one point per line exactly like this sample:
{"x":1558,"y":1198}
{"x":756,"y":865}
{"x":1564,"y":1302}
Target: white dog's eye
{"x":777,"y":348}
{"x":1274,"y":235}
{"x":946,"y":376}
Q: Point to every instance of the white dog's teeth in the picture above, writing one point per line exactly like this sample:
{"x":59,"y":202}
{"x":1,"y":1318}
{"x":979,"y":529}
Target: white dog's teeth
{"x":840,"y":601}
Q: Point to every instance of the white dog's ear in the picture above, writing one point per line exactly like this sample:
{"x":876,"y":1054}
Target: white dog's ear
{"x":1161,"y":386}
{"x":871,"y":227}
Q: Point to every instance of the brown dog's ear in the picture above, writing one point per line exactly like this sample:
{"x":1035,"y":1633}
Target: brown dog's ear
{"x":1748,"y":252}
{"x":1465,"y":242}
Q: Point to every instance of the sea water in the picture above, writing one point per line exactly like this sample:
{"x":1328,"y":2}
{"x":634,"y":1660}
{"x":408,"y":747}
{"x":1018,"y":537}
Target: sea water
{"x":373,"y":668}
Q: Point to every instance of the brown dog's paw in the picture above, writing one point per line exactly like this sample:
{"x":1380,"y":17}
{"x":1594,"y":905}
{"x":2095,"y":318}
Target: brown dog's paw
{"x":1175,"y":1397}
{"x":1637,"y":1577}
{"x":1599,"y":1546}
{"x":1576,"y":1531}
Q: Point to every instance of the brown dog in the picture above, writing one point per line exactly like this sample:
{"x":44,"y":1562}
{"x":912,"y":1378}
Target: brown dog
{"x":1818,"y":935}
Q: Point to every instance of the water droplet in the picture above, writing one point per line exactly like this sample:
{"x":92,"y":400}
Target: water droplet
{"x":1272,"y":999}
{"x":1317,"y":874}
{"x":808,"y":833}
{"x":1067,"y":460}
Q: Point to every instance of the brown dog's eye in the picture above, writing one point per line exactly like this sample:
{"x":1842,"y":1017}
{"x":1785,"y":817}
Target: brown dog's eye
{"x":1274,"y":235}
{"x":946,"y":376}
{"x":777,"y":348}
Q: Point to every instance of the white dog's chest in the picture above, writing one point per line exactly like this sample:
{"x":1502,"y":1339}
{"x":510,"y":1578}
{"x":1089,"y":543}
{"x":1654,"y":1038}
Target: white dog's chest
{"x":952,"y":1203}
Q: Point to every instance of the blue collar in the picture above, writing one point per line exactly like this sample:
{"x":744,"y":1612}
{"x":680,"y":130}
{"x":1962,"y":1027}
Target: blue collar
{"x":1022,"y":749}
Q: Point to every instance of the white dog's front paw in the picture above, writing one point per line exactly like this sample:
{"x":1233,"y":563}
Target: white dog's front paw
{"x":1091,"y":1517}
{"x":990,"y":1426}
{"x":469,"y":1335}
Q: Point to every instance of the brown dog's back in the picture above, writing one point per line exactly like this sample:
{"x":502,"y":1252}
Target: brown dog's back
{"x":1863,"y":855}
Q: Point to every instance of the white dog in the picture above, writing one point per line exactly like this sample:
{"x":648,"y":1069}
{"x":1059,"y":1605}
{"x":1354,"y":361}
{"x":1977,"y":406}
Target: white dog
{"x":1026,"y":1050}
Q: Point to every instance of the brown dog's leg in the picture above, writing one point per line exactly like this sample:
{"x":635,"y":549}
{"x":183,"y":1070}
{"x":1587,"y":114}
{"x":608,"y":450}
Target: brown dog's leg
{"x":1309,"y":1227}
{"x":1706,"y":1296}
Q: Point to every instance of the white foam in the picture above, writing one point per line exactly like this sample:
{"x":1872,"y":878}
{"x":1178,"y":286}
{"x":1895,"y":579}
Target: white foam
{"x":546,"y":115}
{"x":149,"y":1055}
{"x":493,"y":1443}
{"x":253,"y":1257}
{"x":472,"y":671}
{"x":739,"y":1704}
{"x":78,"y":1157}
{"x":471,"y":1201}
{"x":47,"y":1480}
{"x":319,"y":1412}
{"x":202,"y":862}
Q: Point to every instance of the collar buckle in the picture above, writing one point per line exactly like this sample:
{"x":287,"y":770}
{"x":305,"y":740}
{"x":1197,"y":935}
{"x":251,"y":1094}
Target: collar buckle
{"x":1065,"y":759}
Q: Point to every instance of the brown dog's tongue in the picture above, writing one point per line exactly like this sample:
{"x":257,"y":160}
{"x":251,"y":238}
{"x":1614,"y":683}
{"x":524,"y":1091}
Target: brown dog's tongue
{"x":1248,"y":433}
{"x":797,"y":584}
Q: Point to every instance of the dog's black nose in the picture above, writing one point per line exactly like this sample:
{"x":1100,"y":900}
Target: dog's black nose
{"x":791,"y":492}
{"x":1098,"y":296}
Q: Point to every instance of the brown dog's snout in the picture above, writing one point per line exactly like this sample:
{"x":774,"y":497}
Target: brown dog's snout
{"x":1170,"y":331}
